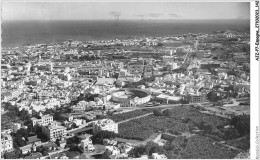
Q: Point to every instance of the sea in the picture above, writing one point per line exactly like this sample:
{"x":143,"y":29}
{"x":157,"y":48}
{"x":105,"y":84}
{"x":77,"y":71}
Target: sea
{"x":20,"y":33}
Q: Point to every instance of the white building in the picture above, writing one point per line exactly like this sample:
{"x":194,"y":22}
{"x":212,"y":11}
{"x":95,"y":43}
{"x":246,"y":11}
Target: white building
{"x":171,"y":66}
{"x":125,"y":148}
{"x":105,"y":124}
{"x":93,"y":90}
{"x":63,"y":157}
{"x":82,"y":103}
{"x":78,"y":108}
{"x":37,"y":106}
{"x":51,"y":103}
{"x":79,"y":122}
{"x":158,"y":156}
{"x":87,"y":144}
{"x":45,"y":120}
{"x":167,"y":59}
{"x":106,"y":98}
{"x":16,"y":126}
{"x":112,"y":150}
{"x":7,"y":142}
{"x":54,"y":131}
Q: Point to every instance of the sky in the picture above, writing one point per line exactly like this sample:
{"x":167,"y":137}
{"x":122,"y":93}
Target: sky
{"x":124,"y":10}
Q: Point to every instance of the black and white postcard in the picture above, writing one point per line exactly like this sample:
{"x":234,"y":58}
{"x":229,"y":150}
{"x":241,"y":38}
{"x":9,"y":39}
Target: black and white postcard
{"x":129,"y":79}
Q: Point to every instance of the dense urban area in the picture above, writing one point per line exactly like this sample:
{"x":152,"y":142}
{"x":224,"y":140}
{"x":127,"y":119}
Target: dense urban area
{"x":185,"y":96}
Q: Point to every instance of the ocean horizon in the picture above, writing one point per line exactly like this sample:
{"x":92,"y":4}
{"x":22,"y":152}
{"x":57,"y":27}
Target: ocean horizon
{"x":20,"y":33}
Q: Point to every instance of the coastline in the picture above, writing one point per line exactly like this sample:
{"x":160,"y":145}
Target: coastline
{"x":20,"y":33}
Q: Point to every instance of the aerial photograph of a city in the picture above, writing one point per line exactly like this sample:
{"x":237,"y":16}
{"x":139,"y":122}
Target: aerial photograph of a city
{"x":125,"y":80}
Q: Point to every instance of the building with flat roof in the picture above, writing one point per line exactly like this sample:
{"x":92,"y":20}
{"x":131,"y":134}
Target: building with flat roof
{"x":87,"y":144}
{"x":45,"y":120}
{"x":54,"y":131}
{"x":197,"y":98}
{"x":105,"y":125}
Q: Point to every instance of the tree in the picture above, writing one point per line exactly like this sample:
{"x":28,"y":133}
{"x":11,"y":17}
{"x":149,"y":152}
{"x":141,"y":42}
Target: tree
{"x":153,"y":150}
{"x":171,"y":155}
{"x":241,"y":123}
{"x":72,"y":142}
{"x":179,"y":142}
{"x":24,"y":115}
{"x":20,"y":134}
{"x":99,"y":136}
{"x":205,"y":126}
{"x":159,"y":44}
{"x":36,"y":114}
{"x":231,"y":133}
{"x":167,"y":112}
{"x":49,"y":111}
{"x":29,"y":124}
{"x":105,"y":155}
{"x":18,"y":141}
{"x":56,"y":116}
{"x":208,"y":128}
{"x":187,"y":120}
{"x":38,"y":132}
{"x":216,"y":87}
{"x":57,"y":142}
{"x":212,"y":96}
{"x":100,"y":116}
{"x":157,"y":113}
{"x":44,"y":152}
{"x":110,"y":113}
{"x":16,"y":154}
{"x":184,"y":101}
{"x":74,"y":125}
{"x":138,"y":151}
{"x":152,"y":147}
{"x":23,"y":132}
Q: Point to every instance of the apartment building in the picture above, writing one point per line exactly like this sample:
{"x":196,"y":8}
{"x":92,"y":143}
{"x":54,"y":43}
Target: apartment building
{"x":45,"y":120}
{"x":54,"y":131}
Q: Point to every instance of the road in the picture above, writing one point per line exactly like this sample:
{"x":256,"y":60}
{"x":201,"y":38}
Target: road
{"x":135,"y":118}
{"x":162,"y":106}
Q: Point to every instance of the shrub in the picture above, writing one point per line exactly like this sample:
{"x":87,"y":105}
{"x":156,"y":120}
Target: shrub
{"x":157,"y":113}
{"x":99,"y":136}
{"x":138,"y":151}
{"x":16,"y":154}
